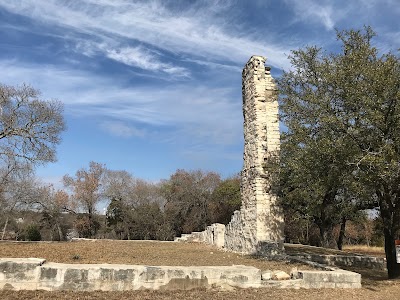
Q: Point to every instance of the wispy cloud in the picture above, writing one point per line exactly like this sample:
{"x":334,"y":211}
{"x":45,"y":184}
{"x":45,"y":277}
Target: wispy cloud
{"x":120,"y":129}
{"x":195,"y":31}
{"x":192,"y":110}
{"x":137,"y":56}
{"x":314,"y":11}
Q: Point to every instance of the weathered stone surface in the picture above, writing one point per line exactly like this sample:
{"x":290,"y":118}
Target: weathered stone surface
{"x":377,"y":263}
{"x":19,"y":273}
{"x":283,"y":284}
{"x":108,"y":277}
{"x":29,"y":274}
{"x":326,"y":279}
{"x":280,"y":275}
{"x":258,"y":226}
{"x":266,"y":275}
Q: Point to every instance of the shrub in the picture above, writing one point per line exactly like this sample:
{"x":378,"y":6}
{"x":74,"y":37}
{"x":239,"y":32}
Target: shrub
{"x":32,"y":233}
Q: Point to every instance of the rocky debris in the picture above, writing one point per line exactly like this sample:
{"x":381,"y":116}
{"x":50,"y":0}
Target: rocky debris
{"x":280,"y":275}
{"x":266,"y":275}
{"x":294,"y":274}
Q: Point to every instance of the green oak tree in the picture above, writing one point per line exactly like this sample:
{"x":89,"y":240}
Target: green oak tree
{"x":341,"y":150}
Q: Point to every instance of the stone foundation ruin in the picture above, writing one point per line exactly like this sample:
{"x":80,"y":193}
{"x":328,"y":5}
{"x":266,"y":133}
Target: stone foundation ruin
{"x":258,"y":227}
{"x":37,"y":274}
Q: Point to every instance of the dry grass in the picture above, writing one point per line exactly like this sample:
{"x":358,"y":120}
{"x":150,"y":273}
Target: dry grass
{"x":365,"y":250}
{"x":153,"y":253}
{"x":375,"y":285}
{"x":354,"y":250}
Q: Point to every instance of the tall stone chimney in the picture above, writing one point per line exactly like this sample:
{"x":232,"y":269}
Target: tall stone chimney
{"x":260,"y":219}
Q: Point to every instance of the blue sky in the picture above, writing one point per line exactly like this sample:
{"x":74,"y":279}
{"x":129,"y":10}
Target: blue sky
{"x":153,"y":86}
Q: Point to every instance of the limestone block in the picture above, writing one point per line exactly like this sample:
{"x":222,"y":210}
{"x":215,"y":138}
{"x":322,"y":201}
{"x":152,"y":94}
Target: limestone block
{"x":280,"y":275}
{"x":336,"y":278}
{"x":127,"y":277}
{"x":19,"y":273}
{"x":266,"y":275}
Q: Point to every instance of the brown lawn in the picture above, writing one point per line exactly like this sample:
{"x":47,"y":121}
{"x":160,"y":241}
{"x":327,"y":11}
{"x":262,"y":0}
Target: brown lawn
{"x":152,"y":253}
{"x":375,"y":285}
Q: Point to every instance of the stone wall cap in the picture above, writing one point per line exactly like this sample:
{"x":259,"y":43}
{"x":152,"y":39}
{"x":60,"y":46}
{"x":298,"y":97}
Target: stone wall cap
{"x":29,"y":260}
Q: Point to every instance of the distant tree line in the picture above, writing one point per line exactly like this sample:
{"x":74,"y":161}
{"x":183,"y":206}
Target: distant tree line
{"x":135,"y":209}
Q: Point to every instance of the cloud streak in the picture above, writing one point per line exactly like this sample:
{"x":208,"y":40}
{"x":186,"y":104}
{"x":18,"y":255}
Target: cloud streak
{"x":120,"y":129}
{"x":314,"y":11}
{"x":191,"y":110}
{"x":195,"y":31}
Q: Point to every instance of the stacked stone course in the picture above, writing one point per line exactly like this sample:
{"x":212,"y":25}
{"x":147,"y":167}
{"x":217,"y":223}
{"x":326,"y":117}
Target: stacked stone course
{"x":258,"y":227}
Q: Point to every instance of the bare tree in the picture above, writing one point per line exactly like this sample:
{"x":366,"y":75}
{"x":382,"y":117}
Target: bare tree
{"x":134,"y":209}
{"x":30,"y":128}
{"x":52,"y":203}
{"x":18,"y":191}
{"x":87,"y":189}
{"x":187,"y":195}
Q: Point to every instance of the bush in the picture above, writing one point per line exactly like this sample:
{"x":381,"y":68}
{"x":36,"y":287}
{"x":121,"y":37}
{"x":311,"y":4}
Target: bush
{"x":32,"y":233}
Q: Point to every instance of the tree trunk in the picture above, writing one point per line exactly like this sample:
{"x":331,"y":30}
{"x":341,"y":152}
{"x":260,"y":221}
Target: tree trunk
{"x":341,"y":234}
{"x":51,"y":234}
{"x":390,"y":217}
{"x":390,"y":249}
{"x":60,"y":234}
{"x":90,"y":220}
{"x":5,"y":228}
{"x":326,"y":236}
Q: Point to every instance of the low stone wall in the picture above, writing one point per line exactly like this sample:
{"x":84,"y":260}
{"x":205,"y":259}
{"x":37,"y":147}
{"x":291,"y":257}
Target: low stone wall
{"x":35,"y":274}
{"x":234,"y":237}
{"x":330,"y":279}
{"x":32,"y":274}
{"x":213,"y":235}
{"x":357,"y":261}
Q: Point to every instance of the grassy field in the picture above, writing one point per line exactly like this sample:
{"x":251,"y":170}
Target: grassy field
{"x":152,"y":253}
{"x":366,"y":250}
{"x":375,"y":285}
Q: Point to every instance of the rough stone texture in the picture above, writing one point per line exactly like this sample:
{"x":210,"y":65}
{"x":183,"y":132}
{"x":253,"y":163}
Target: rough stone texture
{"x":32,"y":274}
{"x":377,"y":263}
{"x":266,"y":275}
{"x":259,"y":220}
{"x":213,"y":235}
{"x":280,"y":275}
{"x":333,"y":279}
{"x":23,"y":274}
{"x":258,"y":227}
{"x":19,"y":273}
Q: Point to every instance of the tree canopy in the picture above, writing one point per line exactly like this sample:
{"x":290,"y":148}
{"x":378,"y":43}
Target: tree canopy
{"x":30,"y":128}
{"x":341,"y":150}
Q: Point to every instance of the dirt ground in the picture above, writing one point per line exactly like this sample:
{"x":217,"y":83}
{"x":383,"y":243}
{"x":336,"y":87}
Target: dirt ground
{"x":375,"y":285}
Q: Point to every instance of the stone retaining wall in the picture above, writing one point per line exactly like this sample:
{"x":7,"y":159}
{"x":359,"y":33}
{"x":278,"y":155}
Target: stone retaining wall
{"x":35,"y":274}
{"x":357,"y":261}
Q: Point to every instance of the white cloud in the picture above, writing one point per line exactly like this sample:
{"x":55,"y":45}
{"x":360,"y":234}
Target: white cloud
{"x":121,"y":129}
{"x":192,"y":110}
{"x":195,"y":32}
{"x":139,"y":57}
{"x":313,"y":11}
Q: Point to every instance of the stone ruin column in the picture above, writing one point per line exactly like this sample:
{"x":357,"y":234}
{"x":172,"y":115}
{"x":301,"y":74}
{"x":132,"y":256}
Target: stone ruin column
{"x":258,"y":226}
